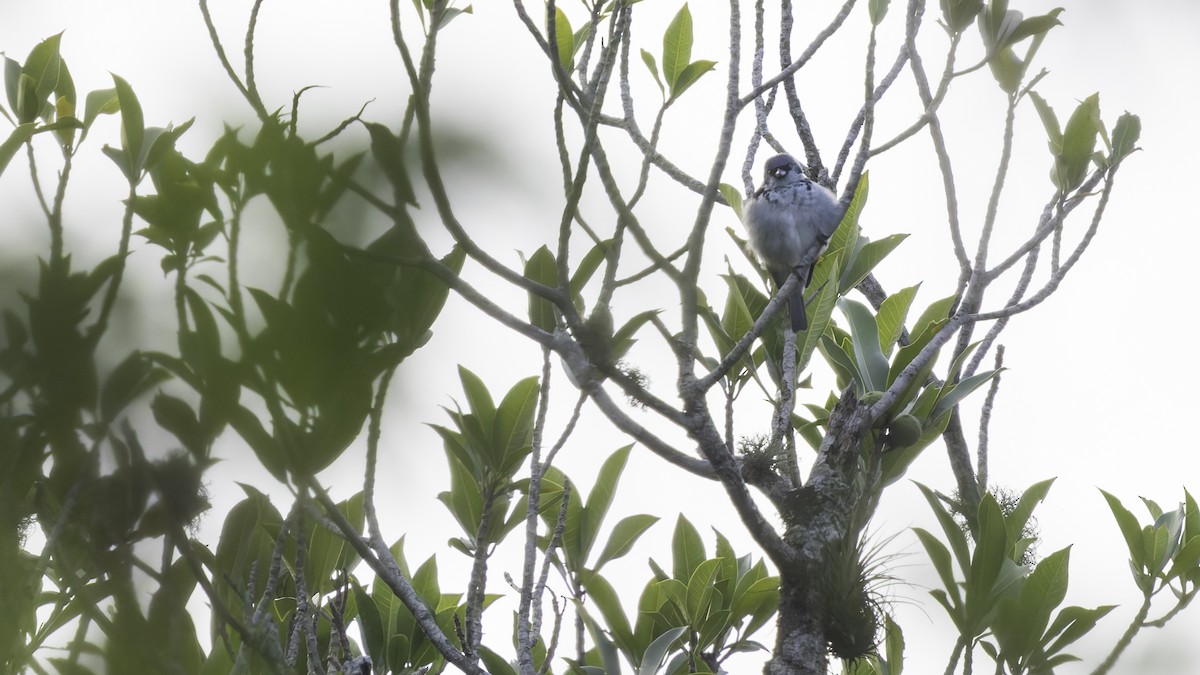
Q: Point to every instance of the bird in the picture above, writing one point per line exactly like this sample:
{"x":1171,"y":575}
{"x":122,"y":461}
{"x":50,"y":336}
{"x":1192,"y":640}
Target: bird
{"x":787,"y":217}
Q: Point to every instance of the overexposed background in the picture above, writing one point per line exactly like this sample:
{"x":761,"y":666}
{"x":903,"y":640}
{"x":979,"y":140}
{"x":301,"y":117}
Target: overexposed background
{"x":1099,"y":385}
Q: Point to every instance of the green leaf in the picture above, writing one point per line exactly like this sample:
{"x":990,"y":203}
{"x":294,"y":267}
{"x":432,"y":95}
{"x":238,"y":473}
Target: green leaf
{"x":512,"y":429}
{"x":700,"y":590}
{"x":940,"y":557}
{"x":690,"y":75}
{"x":1049,"y":121}
{"x":847,"y":231}
{"x":959,"y":14}
{"x":891,"y":317}
{"x":1030,"y":498}
{"x":677,"y":48}
{"x":601,"y":498}
{"x":1079,"y":142}
{"x":687,"y":549}
{"x":564,"y":37}
{"x":15,"y":140}
{"x":893,"y":646}
{"x":1035,"y":26}
{"x":623,"y":338}
{"x":652,"y":66}
{"x":1007,"y":68}
{"x":1072,"y":623}
{"x":959,"y":391}
{"x":950,"y":528}
{"x":877,"y":9}
{"x":587,"y":267}
{"x":657,"y":652}
{"x":604,"y":597}
{"x":542,"y":268}
{"x":39,"y":78}
{"x":1124,"y":137}
{"x":872,"y":366}
{"x":133,"y":129}
{"x":1130,"y":530}
{"x":177,"y":417}
{"x":732,"y":196}
{"x":871,"y":254}
{"x":131,"y":378}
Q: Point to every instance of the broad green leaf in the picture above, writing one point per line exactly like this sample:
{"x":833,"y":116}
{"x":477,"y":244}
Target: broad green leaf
{"x":690,"y":75}
{"x":847,"y":231}
{"x":623,"y":338}
{"x":40,"y":78}
{"x":587,"y":267}
{"x":512,"y":429}
{"x":1079,"y":142}
{"x":958,"y":15}
{"x":133,"y":128}
{"x":839,"y":359}
{"x":479,"y":400}
{"x":991,"y":550}
{"x":940,"y":557}
{"x":892,"y":314}
{"x":876,"y":10}
{"x":872,"y":366}
{"x":1049,"y":121}
{"x":604,"y":597}
{"x":657,"y":652}
{"x":687,"y":549}
{"x":893,"y":643}
{"x":1125,"y":136}
{"x":564,"y":36}
{"x":1035,"y":26}
{"x":15,"y":140}
{"x":1072,"y":623}
{"x":959,"y":391}
{"x":677,"y":47}
{"x":870,"y":255}
{"x":950,"y":528}
{"x":699,"y":591}
{"x":733,"y":196}
{"x":1030,"y":498}
{"x":1007,"y":68}
{"x":542,"y":268}
{"x":601,"y":498}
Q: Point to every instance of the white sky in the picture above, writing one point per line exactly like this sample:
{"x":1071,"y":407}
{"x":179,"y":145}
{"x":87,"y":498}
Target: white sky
{"x":1099,"y":382}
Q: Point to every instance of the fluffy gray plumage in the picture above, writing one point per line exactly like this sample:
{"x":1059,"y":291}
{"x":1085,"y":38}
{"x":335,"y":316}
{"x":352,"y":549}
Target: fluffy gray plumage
{"x":787,"y":217}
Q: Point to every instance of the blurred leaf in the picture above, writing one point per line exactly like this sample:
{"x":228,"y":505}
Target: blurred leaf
{"x":1079,"y":142}
{"x":133,"y":129}
{"x":15,"y":140}
{"x":876,"y":10}
{"x":1124,"y":136}
{"x":542,"y":268}
{"x":564,"y":37}
{"x":959,"y":14}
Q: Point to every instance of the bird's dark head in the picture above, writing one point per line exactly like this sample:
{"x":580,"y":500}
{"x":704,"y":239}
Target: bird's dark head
{"x":782,"y":169}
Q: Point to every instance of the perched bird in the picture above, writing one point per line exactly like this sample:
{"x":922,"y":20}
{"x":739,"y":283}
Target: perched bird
{"x":788,"y":216}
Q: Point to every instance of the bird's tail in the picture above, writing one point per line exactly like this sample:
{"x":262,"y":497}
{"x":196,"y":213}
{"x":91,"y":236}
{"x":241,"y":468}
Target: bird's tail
{"x":796,"y":309}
